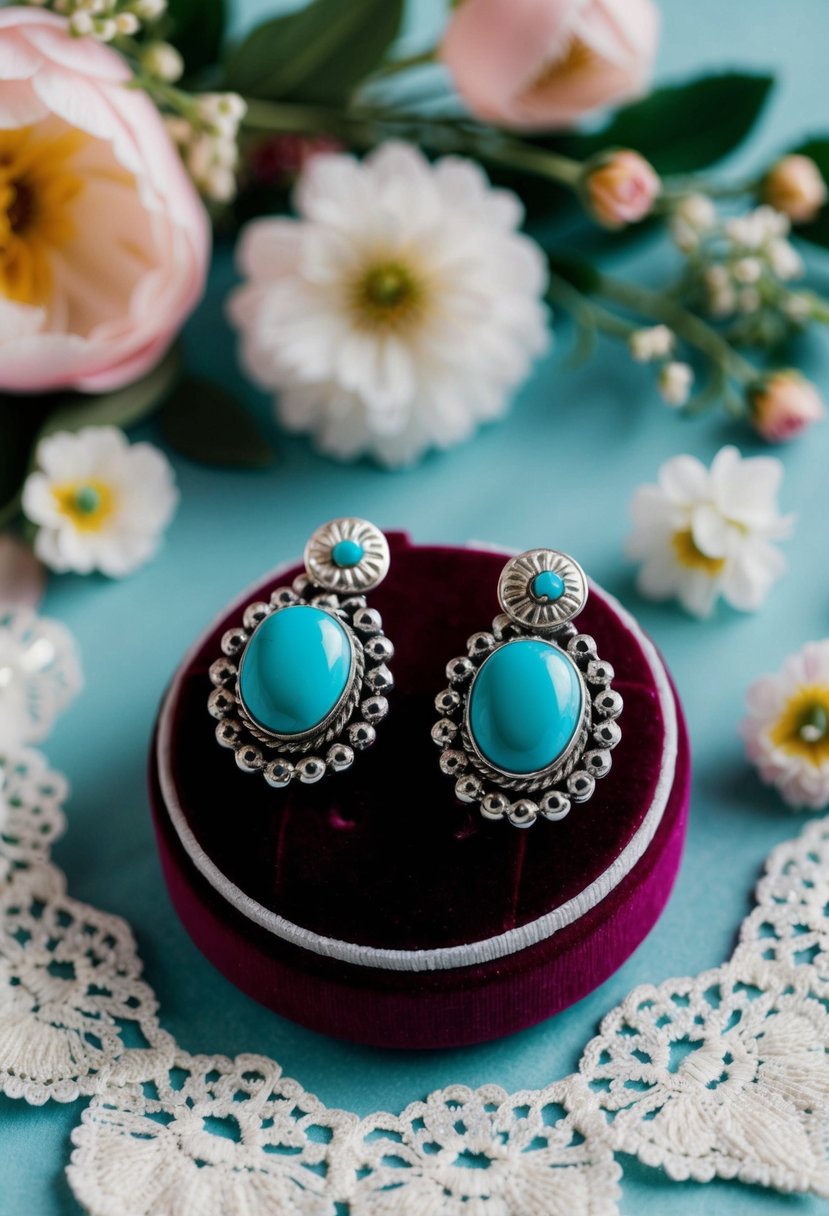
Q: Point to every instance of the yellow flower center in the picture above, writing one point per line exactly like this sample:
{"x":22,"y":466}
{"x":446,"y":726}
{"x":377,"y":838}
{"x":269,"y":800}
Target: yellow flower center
{"x":689,"y":554}
{"x":577,"y":56}
{"x":36,"y":188}
{"x":88,"y":504}
{"x":387,"y":296}
{"x":802,"y":729}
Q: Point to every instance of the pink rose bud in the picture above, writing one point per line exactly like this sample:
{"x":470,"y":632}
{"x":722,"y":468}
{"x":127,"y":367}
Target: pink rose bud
{"x":796,"y":187}
{"x":620,"y":188}
{"x":783,"y":405}
{"x":546,"y":63}
{"x":104,"y":243}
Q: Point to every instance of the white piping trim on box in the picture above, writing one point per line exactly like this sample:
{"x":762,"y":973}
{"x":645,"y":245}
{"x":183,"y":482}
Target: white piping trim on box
{"x":442,"y":958}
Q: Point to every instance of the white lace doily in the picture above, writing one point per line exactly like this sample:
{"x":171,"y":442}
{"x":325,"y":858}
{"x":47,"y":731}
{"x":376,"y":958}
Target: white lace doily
{"x":724,"y":1074}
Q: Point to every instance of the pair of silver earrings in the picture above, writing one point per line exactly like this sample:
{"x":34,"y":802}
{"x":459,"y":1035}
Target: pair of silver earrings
{"x":525,"y":727}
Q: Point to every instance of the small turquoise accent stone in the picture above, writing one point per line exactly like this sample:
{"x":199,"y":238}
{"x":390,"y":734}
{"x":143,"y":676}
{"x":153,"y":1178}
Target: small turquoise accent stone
{"x":525,"y":706}
{"x":295,"y":669}
{"x":347,"y":553}
{"x":87,"y":500}
{"x":548,"y":586}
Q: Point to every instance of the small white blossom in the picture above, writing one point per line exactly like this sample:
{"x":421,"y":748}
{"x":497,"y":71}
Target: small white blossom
{"x":704,"y":533}
{"x":655,"y":342}
{"x":786,"y":732}
{"x":748,"y":270}
{"x":692,"y":215}
{"x":401,"y":308}
{"x":81,"y":24}
{"x":150,"y":10}
{"x":722,"y":297}
{"x":126,"y":24}
{"x":754,"y":230}
{"x":99,"y":502}
{"x":162,"y":60}
{"x":222,"y":111}
{"x":784,"y":259}
{"x":675,"y":383}
{"x":697,"y":210}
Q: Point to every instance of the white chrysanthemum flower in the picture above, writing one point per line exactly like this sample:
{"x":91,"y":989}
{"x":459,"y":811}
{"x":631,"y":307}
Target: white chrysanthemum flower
{"x":702,"y":533}
{"x":786,"y":732}
{"x":100,"y":503}
{"x":401,"y":308}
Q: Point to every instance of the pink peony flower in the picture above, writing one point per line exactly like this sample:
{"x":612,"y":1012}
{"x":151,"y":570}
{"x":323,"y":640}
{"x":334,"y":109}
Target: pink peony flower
{"x":796,"y":187}
{"x":785,"y":404}
{"x":621,"y":188}
{"x":104,"y":243}
{"x":546,"y":63}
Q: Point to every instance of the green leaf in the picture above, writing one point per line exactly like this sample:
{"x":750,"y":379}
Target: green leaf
{"x":123,"y":408}
{"x":577,"y":272}
{"x":207,"y":424}
{"x":818,"y":231}
{"x":683,"y":128}
{"x":20,"y":420}
{"x":197,"y":28}
{"x":317,"y":54}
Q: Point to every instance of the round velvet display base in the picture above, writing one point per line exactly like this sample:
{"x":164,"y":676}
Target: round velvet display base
{"x":374,"y":906}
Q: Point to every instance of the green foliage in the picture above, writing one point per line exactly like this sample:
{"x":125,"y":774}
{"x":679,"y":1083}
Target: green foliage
{"x":206,"y":423}
{"x":197,"y":28}
{"x":682,"y":128}
{"x":318,"y":54}
{"x":818,"y":149}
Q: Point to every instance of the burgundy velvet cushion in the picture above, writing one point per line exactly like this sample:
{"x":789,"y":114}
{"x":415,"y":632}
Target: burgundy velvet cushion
{"x":385,"y":856}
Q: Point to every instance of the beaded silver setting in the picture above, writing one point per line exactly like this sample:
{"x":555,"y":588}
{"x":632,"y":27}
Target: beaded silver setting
{"x":549,"y":792}
{"x":340,"y":592}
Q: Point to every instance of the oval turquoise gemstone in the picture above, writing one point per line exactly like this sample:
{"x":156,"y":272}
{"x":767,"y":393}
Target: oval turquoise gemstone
{"x":525,"y":705}
{"x":295,"y":669}
{"x":347,"y":553}
{"x":548,"y":586}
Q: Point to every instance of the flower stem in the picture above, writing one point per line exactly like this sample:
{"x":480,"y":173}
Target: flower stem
{"x":657,"y":306}
{"x":366,"y":126}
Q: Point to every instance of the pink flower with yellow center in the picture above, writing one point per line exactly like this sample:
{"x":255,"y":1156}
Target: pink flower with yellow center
{"x":104,"y":243}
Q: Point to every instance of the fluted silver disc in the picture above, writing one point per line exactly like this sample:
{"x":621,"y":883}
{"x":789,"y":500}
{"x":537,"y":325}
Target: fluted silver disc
{"x":533,"y":612}
{"x":365,"y":574}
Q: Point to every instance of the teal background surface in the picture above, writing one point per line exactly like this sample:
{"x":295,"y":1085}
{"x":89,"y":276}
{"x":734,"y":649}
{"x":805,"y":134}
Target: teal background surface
{"x":560,"y":471}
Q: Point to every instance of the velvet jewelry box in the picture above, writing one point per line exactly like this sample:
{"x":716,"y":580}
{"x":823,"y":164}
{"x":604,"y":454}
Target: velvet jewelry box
{"x":376,"y":907}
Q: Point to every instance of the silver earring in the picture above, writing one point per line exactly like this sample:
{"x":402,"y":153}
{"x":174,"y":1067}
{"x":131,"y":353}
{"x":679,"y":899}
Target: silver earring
{"x":303,"y":680}
{"x":528,"y":721}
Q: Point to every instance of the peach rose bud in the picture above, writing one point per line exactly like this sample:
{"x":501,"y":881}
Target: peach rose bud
{"x":796,"y":187}
{"x":544,"y":64}
{"x":784,"y":404}
{"x":620,"y":188}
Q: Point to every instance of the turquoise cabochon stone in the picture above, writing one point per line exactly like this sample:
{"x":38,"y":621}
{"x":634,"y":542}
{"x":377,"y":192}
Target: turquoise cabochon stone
{"x":295,"y":669}
{"x":525,"y":705}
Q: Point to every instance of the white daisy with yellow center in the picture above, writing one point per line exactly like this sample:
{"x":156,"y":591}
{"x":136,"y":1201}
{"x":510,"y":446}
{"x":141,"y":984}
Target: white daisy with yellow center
{"x":398,"y":311}
{"x":702,"y":534}
{"x":786,"y":732}
{"x":99,"y":502}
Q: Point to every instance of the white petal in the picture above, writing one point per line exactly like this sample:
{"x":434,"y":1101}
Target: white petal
{"x":684,"y":480}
